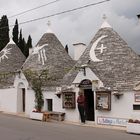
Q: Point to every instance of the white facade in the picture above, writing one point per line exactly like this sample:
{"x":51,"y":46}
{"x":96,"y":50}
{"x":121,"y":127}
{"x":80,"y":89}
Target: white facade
{"x":11,"y":100}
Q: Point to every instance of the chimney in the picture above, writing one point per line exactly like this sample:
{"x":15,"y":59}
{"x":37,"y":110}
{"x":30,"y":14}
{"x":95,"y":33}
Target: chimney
{"x":30,"y":50}
{"x":79,"y":48}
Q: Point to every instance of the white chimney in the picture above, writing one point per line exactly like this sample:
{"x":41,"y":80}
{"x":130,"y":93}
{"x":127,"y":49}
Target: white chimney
{"x":79,"y":48}
{"x":30,"y":51}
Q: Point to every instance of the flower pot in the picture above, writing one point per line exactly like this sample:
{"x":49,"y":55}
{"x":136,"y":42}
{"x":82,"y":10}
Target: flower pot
{"x":36,"y":115}
{"x":133,"y":128}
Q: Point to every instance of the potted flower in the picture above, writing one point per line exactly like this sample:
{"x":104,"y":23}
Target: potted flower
{"x":36,"y":115}
{"x":133,"y":126}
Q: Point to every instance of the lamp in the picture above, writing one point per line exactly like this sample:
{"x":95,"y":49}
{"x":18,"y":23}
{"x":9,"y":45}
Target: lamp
{"x":58,"y":95}
{"x":117,"y":94}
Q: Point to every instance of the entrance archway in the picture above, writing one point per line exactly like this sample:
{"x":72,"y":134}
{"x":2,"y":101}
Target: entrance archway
{"x":86,"y":86}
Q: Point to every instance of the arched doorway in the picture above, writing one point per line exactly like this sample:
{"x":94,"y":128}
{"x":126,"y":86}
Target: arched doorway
{"x":21,"y":98}
{"x":86,"y":86}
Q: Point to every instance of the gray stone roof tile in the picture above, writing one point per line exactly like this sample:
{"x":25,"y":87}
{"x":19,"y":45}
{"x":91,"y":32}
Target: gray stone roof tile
{"x":57,"y":62}
{"x":11,"y":60}
{"x":120,"y":68}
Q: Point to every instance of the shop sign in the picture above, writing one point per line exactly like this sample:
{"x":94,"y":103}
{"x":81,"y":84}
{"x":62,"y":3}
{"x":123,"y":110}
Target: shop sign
{"x":112,"y":121}
{"x":137,"y":97}
{"x":85,"y":84}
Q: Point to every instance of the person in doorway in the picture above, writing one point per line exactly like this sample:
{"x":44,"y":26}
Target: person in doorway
{"x":81,"y":106}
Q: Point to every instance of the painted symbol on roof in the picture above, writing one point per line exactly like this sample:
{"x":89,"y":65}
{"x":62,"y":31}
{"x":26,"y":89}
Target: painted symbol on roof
{"x":40,"y":50}
{"x":4,"y":53}
{"x":92,"y":51}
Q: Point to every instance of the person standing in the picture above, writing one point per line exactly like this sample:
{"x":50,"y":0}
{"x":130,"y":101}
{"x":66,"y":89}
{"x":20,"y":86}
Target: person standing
{"x":81,"y":106}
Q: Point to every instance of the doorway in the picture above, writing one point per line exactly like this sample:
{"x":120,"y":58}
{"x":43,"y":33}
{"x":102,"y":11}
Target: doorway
{"x":23,"y":99}
{"x":89,"y":105}
{"x":49,"y":105}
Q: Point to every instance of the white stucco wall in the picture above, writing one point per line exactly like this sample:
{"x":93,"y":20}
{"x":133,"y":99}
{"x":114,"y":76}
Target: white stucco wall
{"x":70,"y":114}
{"x":30,"y":104}
{"x":8,"y":100}
{"x":120,"y":108}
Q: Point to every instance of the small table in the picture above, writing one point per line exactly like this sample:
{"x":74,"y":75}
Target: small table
{"x":46,"y":116}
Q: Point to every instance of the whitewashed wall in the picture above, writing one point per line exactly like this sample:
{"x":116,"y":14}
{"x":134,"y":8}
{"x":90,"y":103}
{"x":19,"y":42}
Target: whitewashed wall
{"x":30,"y":104}
{"x":8,"y":100}
{"x":70,"y":114}
{"x":120,"y":108}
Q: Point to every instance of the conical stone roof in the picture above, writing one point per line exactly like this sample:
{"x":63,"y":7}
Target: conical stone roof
{"x":113,"y":62}
{"x":11,"y":61}
{"x":50,"y":54}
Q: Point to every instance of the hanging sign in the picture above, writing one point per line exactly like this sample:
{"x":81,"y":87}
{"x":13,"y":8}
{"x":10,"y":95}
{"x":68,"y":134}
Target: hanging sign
{"x":85,"y":84}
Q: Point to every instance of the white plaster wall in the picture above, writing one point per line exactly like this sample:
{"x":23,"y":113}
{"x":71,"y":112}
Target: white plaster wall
{"x":120,"y":108}
{"x":8,"y":100}
{"x":29,"y":101}
{"x":19,"y":100}
{"x":70,"y":114}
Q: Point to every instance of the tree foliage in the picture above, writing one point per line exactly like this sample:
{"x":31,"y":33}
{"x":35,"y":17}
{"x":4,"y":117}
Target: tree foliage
{"x":36,"y":82}
{"x":15,"y":32}
{"x":67,"y":49}
{"x":29,"y":42}
{"x":4,"y":32}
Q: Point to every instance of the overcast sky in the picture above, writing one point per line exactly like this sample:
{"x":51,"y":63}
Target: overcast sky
{"x":78,"y":26}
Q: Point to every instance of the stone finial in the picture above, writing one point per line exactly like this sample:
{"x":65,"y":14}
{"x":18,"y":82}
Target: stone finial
{"x":49,"y":25}
{"x":11,"y":41}
{"x":104,"y":17}
{"x":105,"y":23}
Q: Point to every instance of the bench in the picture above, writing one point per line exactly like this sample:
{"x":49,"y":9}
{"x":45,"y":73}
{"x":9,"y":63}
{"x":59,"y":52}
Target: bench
{"x":53,"y":115}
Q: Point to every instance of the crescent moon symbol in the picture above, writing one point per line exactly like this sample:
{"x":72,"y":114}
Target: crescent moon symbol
{"x":92,"y":51}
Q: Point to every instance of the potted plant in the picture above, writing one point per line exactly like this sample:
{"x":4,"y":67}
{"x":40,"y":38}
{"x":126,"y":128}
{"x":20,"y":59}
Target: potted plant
{"x":133,"y":126}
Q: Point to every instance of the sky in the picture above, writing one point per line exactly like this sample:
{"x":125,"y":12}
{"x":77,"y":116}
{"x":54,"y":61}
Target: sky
{"x":77,"y":26}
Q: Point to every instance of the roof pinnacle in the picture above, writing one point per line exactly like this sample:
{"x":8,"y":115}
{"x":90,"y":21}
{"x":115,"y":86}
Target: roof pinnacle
{"x":49,"y":25}
{"x":105,"y":23}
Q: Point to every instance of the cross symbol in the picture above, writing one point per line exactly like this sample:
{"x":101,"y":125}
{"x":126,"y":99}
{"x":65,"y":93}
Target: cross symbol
{"x":101,"y":48}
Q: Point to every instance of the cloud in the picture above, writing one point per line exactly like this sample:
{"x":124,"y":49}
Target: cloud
{"x":81,"y":25}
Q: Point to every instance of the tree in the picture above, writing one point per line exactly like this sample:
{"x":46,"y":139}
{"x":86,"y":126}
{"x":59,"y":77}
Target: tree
{"x":15,"y":32}
{"x":36,"y":80}
{"x":67,"y":49}
{"x":4,"y":32}
{"x":29,"y":42}
{"x":28,"y":45}
{"x":26,"y":49}
{"x":22,"y":43}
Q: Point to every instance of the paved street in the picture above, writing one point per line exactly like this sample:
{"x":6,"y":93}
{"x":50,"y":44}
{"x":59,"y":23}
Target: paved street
{"x":16,"y":128}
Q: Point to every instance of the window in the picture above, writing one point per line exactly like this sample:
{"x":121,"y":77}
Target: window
{"x":136,"y":107}
{"x":49,"y":105}
{"x":68,"y":99}
{"x":103,"y":100}
{"x":137,"y":97}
